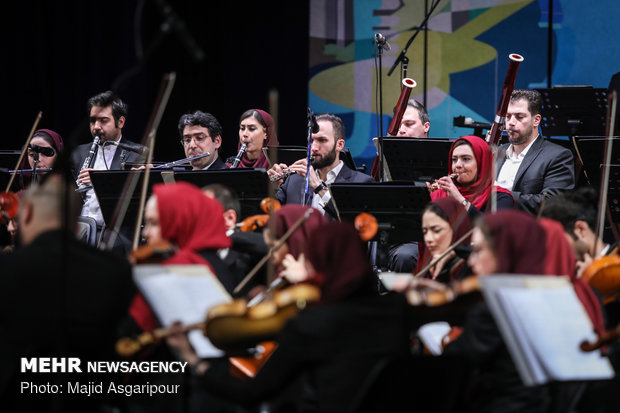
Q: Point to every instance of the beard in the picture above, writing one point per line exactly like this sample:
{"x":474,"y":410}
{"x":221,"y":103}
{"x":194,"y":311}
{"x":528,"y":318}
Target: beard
{"x":521,"y":137}
{"x":327,"y":160}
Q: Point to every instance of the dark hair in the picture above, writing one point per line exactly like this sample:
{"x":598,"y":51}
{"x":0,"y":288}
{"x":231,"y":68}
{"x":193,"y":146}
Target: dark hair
{"x":461,"y":142}
{"x":421,"y":110}
{"x":481,"y":224}
{"x":533,"y":98}
{"x":570,"y":207}
{"x":108,"y":98}
{"x":255,"y":114}
{"x":337,"y":124}
{"x":199,"y":118}
{"x":433,"y":207}
{"x":47,"y":138}
{"x":225,"y":196}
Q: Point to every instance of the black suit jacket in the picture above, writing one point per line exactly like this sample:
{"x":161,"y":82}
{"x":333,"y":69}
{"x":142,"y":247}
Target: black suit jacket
{"x":546,"y":168}
{"x":292,"y":190}
{"x":121,"y":156}
{"x":217,"y":165}
{"x":55,"y":308}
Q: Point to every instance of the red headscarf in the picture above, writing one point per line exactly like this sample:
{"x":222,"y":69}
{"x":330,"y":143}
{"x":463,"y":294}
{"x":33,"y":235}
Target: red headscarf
{"x":561,"y":261}
{"x":272,"y":140}
{"x":459,"y":222}
{"x":339,"y":257}
{"x":285,"y":217}
{"x":516,"y":239}
{"x":190,"y":219}
{"x":477,"y":193}
{"x":57,"y":145}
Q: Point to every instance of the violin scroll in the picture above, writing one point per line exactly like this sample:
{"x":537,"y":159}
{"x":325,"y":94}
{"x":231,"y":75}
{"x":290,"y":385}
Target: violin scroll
{"x":366,"y":225}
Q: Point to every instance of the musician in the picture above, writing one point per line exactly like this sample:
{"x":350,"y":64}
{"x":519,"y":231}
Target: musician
{"x":45,"y":146}
{"x":326,"y":168}
{"x":59,"y":298}
{"x":257,"y":130}
{"x":416,"y":122}
{"x":529,"y":166}
{"x":201,"y":133}
{"x":443,"y":222}
{"x":334,"y":345}
{"x":107,"y":116}
{"x":471,"y":159}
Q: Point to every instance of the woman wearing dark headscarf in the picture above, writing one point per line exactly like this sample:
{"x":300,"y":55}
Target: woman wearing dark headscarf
{"x":444,"y":221}
{"x":335,"y":344}
{"x":49,"y":145}
{"x":257,"y":130}
{"x":471,"y":159}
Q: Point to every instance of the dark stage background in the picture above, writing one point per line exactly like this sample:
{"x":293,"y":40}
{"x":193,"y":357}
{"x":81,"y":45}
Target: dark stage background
{"x":56,"y":54}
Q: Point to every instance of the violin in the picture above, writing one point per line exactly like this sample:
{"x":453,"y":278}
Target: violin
{"x":604,"y":275}
{"x":366,"y":225}
{"x":254,"y":222}
{"x":152,"y":253}
{"x":608,"y":337}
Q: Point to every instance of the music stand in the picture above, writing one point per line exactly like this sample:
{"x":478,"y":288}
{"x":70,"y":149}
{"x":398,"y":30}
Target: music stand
{"x":573,"y":110}
{"x":250,"y":185}
{"x":590,"y":150}
{"x":398,"y":207}
{"x":416,"y":159}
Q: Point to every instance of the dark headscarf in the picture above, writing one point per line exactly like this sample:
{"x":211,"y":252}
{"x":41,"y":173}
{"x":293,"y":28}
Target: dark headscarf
{"x":459,"y":222}
{"x":339,"y":257}
{"x":190,"y":219}
{"x":479,"y":192}
{"x":272,"y":140}
{"x":518,"y":242}
{"x":285,"y":218}
{"x":57,"y":145}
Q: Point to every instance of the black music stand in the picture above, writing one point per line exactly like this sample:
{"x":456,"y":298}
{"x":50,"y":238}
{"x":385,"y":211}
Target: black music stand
{"x":573,"y":110}
{"x":397,"y":207}
{"x":289,"y":154}
{"x":590,"y":150}
{"x":415,"y":159}
{"x":251,"y":186}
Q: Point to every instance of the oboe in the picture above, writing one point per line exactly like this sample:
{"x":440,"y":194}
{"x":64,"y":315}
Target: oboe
{"x":239,"y":155}
{"x":285,"y":173}
{"x":81,"y":187}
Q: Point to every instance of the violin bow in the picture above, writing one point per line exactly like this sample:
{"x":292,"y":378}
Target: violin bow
{"x":21,"y":156}
{"x":130,"y":185}
{"x":277,"y":245}
{"x":443,"y":254}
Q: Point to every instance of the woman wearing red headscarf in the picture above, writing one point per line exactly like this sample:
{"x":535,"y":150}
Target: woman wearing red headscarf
{"x":45,"y":146}
{"x":444,"y":222}
{"x":335,"y":344}
{"x":256,"y":130}
{"x":471,"y":159}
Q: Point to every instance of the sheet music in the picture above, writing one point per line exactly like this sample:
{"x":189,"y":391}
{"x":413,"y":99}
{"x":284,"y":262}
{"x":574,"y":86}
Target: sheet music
{"x":431,"y":335}
{"x":182,"y":293}
{"x":543,"y":322}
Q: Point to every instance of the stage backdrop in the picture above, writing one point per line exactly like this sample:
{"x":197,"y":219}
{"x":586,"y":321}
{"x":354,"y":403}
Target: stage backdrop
{"x":468,"y":43}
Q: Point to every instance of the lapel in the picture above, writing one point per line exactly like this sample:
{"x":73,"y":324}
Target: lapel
{"x":528,"y":159}
{"x":344,"y":175}
{"x":120,"y":156}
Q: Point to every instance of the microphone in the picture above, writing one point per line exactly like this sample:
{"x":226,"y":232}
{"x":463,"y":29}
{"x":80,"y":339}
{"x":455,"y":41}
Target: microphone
{"x":382,"y":41}
{"x":174,"y":22}
{"x":133,"y":147}
{"x":43,"y":150}
{"x":312,"y":120}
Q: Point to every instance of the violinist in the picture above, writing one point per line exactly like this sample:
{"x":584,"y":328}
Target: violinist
{"x":326,"y":168}
{"x":443,"y":222}
{"x":471,"y":160}
{"x":44,"y":149}
{"x":201,"y":133}
{"x":334,"y":345}
{"x":256,"y":131}
{"x":65,"y":299}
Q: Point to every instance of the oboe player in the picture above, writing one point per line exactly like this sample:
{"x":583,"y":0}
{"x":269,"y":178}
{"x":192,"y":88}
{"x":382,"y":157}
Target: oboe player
{"x":201,"y":133}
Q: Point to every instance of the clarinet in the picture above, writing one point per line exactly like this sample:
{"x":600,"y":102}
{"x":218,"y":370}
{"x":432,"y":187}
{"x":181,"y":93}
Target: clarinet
{"x":239,"y":155}
{"x":87,"y":164}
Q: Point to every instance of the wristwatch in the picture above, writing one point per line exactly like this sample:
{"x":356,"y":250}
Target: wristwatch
{"x":464,"y":202}
{"x":320,"y":187}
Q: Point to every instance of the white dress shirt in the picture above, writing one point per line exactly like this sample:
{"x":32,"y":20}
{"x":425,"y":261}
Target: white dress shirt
{"x":319,"y":202}
{"x":508,"y":173}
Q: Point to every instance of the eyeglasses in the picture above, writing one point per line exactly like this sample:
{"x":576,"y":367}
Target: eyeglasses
{"x":186,"y":140}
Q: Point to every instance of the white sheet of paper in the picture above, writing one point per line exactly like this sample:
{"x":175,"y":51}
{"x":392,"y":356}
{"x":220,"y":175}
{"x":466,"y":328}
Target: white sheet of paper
{"x":182,"y":293}
{"x":431,"y":335}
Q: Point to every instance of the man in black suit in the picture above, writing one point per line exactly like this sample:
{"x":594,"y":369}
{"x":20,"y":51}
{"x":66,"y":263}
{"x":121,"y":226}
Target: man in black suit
{"x":107,"y":115}
{"x":326,"y":168}
{"x":529,"y":166}
{"x":201,"y":133}
{"x":58,"y":298}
